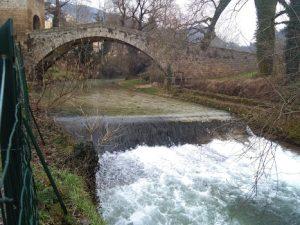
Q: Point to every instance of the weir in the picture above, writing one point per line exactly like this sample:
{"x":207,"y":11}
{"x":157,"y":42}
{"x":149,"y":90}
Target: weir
{"x":129,"y":132}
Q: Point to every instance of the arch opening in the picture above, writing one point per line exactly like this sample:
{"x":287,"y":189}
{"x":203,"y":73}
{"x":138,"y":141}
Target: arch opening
{"x":55,"y":54}
{"x":36,"y":22}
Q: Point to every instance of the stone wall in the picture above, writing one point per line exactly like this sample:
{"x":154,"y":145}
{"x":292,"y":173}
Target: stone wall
{"x":11,"y":4}
{"x":22,"y":13}
{"x":36,"y":7}
{"x":18,"y":16}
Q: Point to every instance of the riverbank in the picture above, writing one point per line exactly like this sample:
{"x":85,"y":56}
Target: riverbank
{"x":97,"y":98}
{"x":116,"y":99}
{"x":265,"y":118}
{"x":134,"y":97}
{"x":68,"y":175}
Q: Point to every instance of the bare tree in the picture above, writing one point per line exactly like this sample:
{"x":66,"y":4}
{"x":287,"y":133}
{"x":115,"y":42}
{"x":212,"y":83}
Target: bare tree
{"x":143,"y":15}
{"x":140,"y":14}
{"x":55,"y":10}
{"x":122,"y":7}
{"x":204,"y":15}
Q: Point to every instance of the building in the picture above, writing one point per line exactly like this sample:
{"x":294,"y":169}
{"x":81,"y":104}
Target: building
{"x":28,"y":15}
{"x":48,"y":24}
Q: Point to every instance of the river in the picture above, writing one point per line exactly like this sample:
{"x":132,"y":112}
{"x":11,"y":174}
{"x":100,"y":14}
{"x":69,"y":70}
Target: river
{"x":206,"y":184}
{"x":163,"y":176}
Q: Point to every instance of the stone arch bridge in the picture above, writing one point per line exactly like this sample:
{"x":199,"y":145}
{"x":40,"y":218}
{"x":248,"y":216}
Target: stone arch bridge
{"x":44,"y":47}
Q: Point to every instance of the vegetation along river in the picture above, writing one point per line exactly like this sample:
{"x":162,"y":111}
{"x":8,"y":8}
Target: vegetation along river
{"x":174,"y":163}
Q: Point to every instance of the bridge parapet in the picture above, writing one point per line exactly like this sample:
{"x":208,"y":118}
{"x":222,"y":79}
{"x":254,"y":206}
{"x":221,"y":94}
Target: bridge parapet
{"x":88,"y":25}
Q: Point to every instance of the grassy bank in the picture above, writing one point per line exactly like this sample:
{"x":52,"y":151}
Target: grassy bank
{"x":264,"y":117}
{"x":264,"y":120}
{"x":78,"y":199}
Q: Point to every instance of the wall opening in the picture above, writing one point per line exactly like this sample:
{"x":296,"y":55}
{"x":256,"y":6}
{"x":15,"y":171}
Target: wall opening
{"x":36,"y":23}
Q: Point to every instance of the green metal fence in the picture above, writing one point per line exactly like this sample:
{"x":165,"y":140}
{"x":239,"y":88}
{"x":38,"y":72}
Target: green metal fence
{"x":18,"y":200}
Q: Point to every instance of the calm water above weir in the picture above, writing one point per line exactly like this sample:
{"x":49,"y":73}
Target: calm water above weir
{"x":175,"y":163}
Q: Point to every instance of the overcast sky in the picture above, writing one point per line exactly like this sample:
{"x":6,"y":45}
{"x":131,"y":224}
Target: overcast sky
{"x":238,"y":26}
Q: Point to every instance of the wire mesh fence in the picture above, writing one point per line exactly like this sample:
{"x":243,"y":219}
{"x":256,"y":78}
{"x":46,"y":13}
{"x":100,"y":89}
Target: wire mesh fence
{"x":18,"y":199}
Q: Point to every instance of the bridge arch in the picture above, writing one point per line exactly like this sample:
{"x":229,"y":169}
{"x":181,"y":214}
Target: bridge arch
{"x":47,"y":46}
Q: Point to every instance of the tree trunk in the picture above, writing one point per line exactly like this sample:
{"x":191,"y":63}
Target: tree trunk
{"x":210,"y":33}
{"x":265,"y":35}
{"x":292,"y":48}
{"x":57,"y":14}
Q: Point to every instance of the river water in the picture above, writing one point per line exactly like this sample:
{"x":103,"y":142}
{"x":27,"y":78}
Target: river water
{"x":214,"y":174}
{"x":254,"y":182}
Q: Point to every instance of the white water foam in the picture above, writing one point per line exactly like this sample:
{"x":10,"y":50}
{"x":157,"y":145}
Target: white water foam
{"x":210,"y":185}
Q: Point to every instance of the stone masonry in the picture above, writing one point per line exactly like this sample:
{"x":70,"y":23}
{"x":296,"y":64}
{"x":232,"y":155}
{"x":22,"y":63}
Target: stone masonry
{"x":44,"y":47}
{"x":23,"y":13}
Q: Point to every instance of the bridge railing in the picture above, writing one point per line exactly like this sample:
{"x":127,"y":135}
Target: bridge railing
{"x":18,"y":199}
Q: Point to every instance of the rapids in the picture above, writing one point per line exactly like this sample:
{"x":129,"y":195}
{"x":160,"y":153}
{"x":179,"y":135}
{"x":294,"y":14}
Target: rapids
{"x":210,"y":184}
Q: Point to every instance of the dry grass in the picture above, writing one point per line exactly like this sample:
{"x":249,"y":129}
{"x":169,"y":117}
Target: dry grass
{"x":250,"y":86}
{"x":279,"y":120}
{"x":273,"y":121}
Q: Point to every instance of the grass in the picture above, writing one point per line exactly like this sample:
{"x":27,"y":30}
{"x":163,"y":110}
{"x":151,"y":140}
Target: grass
{"x":137,"y":85}
{"x":254,"y":112}
{"x":149,"y":90}
{"x":75,"y":196}
{"x":260,"y":118}
{"x":72,"y":186}
{"x":98,"y":97}
{"x":131,"y":84}
{"x":60,"y":74}
{"x":247,"y":75}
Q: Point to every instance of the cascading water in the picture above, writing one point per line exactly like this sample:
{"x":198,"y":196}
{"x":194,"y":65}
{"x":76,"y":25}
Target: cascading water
{"x":211,"y":184}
